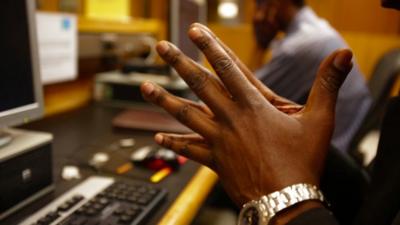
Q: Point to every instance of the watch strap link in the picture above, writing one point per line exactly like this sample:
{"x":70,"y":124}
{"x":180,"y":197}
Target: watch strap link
{"x":290,"y":196}
{"x":269,"y":205}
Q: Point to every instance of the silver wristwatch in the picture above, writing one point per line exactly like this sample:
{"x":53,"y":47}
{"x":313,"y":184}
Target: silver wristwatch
{"x":260,"y":212}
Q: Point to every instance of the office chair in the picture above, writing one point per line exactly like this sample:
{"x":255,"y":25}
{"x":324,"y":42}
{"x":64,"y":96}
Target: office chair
{"x":380,"y":85}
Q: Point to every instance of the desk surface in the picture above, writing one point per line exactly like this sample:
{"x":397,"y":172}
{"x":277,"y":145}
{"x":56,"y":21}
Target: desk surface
{"x":89,"y":128}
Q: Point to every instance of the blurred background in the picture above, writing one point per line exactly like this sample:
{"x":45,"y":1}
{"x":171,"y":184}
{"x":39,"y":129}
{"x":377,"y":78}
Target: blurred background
{"x":103,"y":50}
{"x":369,"y":30}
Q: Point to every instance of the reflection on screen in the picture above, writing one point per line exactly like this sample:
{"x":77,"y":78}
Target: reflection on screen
{"x":16,"y":85}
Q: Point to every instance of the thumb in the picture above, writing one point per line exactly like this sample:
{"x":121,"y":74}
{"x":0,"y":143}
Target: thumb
{"x":330,"y":77}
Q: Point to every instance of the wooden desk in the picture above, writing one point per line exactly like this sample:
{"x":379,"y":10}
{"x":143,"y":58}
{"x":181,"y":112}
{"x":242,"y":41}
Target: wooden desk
{"x":80,"y":132}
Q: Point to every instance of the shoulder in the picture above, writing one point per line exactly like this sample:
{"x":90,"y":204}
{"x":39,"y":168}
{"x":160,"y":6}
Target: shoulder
{"x":316,"y":39}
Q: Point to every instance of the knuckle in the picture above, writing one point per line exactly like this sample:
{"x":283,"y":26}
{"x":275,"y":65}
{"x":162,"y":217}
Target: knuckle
{"x":182,"y":114}
{"x":185,"y":151}
{"x":203,"y":42}
{"x":251,"y":106}
{"x":158,"y":97}
{"x":255,"y":105}
{"x":330,"y":81}
{"x":223,"y":64}
{"x":167,"y":142}
{"x":199,"y":82}
{"x":173,"y":57}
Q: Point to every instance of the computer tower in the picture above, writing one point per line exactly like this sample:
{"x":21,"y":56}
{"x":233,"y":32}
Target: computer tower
{"x":26,"y":167}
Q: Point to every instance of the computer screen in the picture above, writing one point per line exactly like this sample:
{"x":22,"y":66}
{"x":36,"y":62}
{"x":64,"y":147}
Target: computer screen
{"x":20,"y":88}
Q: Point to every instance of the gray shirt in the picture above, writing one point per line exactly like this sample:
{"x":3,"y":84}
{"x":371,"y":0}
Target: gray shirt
{"x":295,"y":62}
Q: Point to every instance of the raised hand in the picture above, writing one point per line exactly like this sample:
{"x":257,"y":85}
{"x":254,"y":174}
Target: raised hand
{"x":256,"y":141}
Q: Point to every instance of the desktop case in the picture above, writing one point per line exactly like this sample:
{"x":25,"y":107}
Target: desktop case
{"x":25,"y":170}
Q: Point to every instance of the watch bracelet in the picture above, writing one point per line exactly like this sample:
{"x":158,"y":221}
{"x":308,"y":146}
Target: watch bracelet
{"x":277,"y":201}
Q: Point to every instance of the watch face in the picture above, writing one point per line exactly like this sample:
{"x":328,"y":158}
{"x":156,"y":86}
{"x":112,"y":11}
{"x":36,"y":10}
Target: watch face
{"x":250,"y":216}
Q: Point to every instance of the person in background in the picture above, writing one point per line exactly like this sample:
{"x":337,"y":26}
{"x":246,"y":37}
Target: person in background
{"x":296,"y":57}
{"x":269,"y":152}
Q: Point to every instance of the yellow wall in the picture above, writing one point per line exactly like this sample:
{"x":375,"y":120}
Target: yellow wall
{"x":367,"y":47}
{"x":358,"y":15}
{"x":350,"y":15}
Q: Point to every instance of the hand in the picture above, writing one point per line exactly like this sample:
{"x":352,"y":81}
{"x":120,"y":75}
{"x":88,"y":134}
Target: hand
{"x":253,"y":145}
{"x":265,"y":24}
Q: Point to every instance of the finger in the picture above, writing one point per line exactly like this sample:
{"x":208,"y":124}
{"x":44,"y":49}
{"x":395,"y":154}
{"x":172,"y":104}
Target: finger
{"x":199,"y":106}
{"x":188,"y":115}
{"x":193,"y":138}
{"x":200,"y":80}
{"x":266,"y":92}
{"x":331,"y":75}
{"x":187,"y":146}
{"x":230,"y":74}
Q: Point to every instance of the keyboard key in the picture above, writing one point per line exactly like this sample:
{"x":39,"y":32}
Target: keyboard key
{"x":70,"y":203}
{"x":78,"y":198}
{"x":113,"y":195}
{"x":44,"y":221}
{"x":134,"y":207}
{"x":152,"y":192}
{"x":133,"y":199}
{"x":121,"y":197}
{"x":64,"y":207}
{"x":144,"y":200}
{"x":91,"y":212}
{"x":87,"y":205}
{"x":125,"y":219}
{"x":142,"y":190}
{"x":103,"y":201}
{"x":81,"y":210}
{"x":97,"y":207}
{"x":118,"y":211}
{"x":52,"y":215}
{"x":78,"y":221}
{"x":131,"y":213}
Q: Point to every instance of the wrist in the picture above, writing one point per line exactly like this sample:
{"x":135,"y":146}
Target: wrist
{"x":293,"y":212}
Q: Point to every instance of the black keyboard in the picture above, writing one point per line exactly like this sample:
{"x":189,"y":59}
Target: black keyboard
{"x":101,"y":201}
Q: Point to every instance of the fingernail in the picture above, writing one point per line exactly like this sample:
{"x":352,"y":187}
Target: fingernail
{"x":343,"y":60}
{"x":163,"y":47}
{"x":159,"y":139}
{"x":147,"y":88}
{"x":195,"y":32}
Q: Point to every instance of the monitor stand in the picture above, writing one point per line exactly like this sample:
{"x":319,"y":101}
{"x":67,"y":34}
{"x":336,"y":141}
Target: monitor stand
{"x":5,"y":138}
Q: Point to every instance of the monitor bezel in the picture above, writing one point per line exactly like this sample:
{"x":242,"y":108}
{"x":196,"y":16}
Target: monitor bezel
{"x":27,"y":113}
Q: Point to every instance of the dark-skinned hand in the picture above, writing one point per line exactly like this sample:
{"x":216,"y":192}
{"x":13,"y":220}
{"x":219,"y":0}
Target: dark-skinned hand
{"x":256,"y":141}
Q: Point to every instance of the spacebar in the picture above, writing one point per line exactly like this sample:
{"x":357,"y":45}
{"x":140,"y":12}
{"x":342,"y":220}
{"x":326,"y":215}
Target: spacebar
{"x":79,"y":221}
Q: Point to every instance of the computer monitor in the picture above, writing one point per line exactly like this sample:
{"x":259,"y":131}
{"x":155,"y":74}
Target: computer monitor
{"x":182,"y":14}
{"x":21,"y":98}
